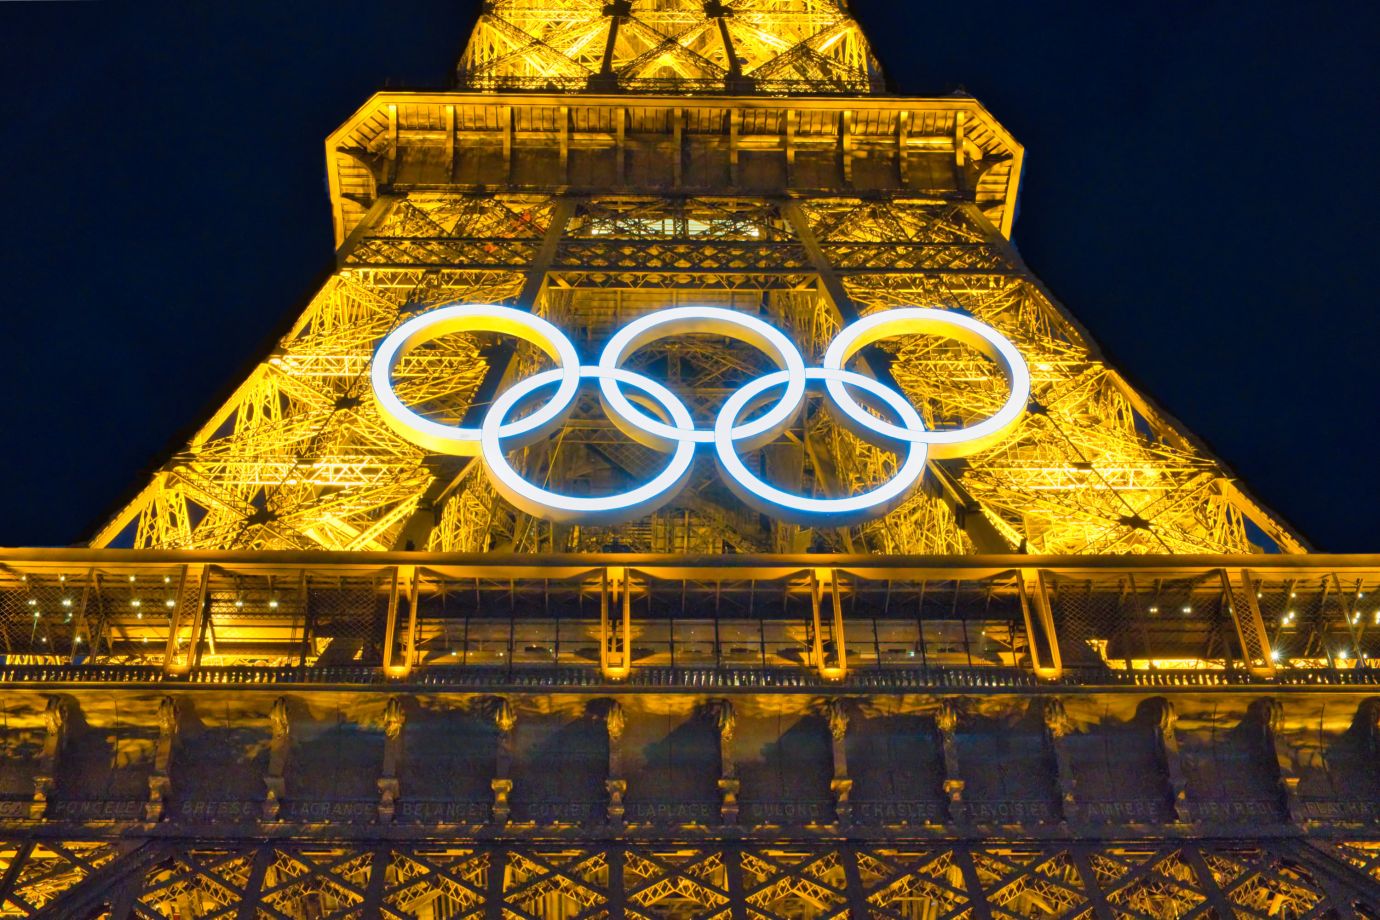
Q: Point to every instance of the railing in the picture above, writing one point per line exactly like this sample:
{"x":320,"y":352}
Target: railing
{"x":681,"y":679}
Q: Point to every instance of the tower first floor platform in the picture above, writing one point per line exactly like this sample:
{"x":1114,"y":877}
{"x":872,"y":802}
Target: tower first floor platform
{"x":311,"y":736}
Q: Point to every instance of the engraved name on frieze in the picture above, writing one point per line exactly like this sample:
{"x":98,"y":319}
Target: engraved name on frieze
{"x":789,"y":811}
{"x":560,"y":811}
{"x":94,"y":811}
{"x":1238,"y":810}
{"x":897,"y":811}
{"x":445,"y":812}
{"x":1009,"y":812}
{"x":1124,"y":810}
{"x":699,"y":812}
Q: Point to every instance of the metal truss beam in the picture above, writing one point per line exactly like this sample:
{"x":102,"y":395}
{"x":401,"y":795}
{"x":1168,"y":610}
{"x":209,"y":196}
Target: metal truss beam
{"x":289,"y":880}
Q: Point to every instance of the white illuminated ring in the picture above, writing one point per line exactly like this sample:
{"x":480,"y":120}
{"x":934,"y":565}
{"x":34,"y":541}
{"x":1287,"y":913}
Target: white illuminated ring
{"x":645,"y":429}
{"x":802,"y":509}
{"x":923,"y":320}
{"x":453,"y":439}
{"x":672,"y":428}
{"x":598,"y":509}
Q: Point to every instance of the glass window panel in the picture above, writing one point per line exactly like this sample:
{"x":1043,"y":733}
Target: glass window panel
{"x":534,"y":642}
{"x":740,"y":644}
{"x":487,"y":642}
{"x":945,"y":643}
{"x":694,"y":643}
{"x":898,"y":643}
{"x":860,"y":642}
{"x":651,"y":643}
{"x":579,"y":643}
{"x":785,"y":642}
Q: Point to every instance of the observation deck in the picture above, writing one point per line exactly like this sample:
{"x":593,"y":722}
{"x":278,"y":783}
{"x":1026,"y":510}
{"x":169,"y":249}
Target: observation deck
{"x":627,"y":621}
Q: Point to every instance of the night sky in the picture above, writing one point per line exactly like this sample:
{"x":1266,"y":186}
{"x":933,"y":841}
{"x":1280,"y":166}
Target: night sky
{"x":1200,"y":190}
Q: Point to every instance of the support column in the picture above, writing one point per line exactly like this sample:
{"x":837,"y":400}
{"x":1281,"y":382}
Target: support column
{"x":1257,"y":656}
{"x":394,"y":720}
{"x":1160,"y":713}
{"x":372,"y":905}
{"x":858,"y":905}
{"x":615,"y":624}
{"x":903,"y":148}
{"x":841,"y":786}
{"x":22,"y":851}
{"x":263,"y":858}
{"x":279,"y":746}
{"x":733,"y":876}
{"x":1365,"y":725}
{"x":505,"y":720}
{"x":497,"y":884}
{"x":1343,"y":881}
{"x":1045,"y":658}
{"x":724,"y":720}
{"x":55,"y":723}
{"x":186,"y":618}
{"x":1058,"y":727}
{"x":617,"y":890}
{"x":1091,"y":889}
{"x":122,"y":904}
{"x":1208,"y":882}
{"x":1267,"y":714}
{"x":831,"y":656}
{"x":617,"y":785}
{"x":977,"y":896}
{"x":946,"y":724}
{"x":402,"y":618}
{"x":160,"y":781}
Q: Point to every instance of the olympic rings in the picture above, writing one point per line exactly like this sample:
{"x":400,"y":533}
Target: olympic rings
{"x":909,"y":320}
{"x":433,"y":324}
{"x":801,"y":509}
{"x":681,"y":320}
{"x":675,"y":432}
{"x":601,"y":509}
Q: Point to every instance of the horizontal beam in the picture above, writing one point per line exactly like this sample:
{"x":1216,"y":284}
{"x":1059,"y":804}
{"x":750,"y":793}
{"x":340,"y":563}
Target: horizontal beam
{"x":547,"y":565}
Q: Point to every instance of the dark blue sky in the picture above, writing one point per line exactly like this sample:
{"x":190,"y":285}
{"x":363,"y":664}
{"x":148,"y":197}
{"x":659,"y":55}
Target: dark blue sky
{"x":1200,"y":189}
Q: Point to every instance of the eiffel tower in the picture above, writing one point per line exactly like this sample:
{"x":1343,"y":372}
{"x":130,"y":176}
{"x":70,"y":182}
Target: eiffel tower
{"x":319,"y":668}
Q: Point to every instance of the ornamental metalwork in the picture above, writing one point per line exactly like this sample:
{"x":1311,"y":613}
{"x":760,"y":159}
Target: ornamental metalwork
{"x":316,"y":669}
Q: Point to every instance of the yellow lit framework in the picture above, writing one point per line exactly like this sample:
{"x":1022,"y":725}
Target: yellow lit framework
{"x":605,"y":160}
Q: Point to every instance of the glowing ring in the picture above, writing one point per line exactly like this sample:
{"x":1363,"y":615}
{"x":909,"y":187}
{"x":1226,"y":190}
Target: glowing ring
{"x":453,"y":439}
{"x":674,"y":431}
{"x":923,"y":320}
{"x":601,"y":509}
{"x":801,"y":509}
{"x":641,"y":427}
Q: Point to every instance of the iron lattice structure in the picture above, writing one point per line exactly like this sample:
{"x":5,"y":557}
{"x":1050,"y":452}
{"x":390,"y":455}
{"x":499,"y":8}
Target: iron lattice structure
{"x":312,"y":671}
